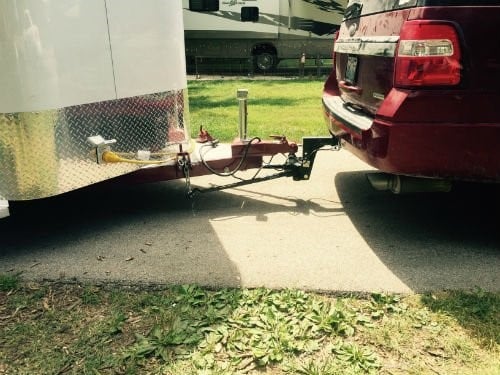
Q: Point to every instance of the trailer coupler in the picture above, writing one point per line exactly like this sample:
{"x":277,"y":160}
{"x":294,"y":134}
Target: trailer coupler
{"x":299,"y":168}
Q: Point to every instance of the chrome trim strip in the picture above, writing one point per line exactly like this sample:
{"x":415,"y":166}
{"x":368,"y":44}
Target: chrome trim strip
{"x":351,"y":118}
{"x":370,"y":46}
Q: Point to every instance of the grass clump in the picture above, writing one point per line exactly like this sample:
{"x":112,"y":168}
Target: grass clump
{"x":8,"y":282}
{"x":478,"y":312}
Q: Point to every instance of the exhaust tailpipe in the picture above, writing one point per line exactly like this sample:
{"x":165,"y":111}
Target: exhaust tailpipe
{"x":404,"y":184}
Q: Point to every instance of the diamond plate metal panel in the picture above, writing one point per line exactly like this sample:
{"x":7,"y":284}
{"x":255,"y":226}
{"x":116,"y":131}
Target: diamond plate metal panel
{"x":47,"y":153}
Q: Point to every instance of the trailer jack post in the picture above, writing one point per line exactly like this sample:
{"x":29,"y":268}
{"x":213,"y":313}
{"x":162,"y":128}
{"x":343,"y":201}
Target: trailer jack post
{"x":242,"y":96}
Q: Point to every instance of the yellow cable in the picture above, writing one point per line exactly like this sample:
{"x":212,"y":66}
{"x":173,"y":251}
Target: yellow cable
{"x":157,"y":153}
{"x":112,"y":157}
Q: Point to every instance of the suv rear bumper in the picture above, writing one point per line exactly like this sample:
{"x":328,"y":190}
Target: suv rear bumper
{"x":457,"y":151}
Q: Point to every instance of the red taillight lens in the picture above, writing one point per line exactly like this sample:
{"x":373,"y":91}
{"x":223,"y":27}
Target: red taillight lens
{"x":428,"y":55}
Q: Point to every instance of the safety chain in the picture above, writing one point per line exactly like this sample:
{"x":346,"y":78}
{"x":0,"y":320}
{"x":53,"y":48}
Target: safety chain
{"x":184,"y":165}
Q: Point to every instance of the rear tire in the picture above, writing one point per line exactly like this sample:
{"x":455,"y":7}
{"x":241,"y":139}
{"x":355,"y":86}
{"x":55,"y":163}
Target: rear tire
{"x":265,"y":61}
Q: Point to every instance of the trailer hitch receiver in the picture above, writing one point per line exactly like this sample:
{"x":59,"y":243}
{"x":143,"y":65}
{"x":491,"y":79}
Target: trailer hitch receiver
{"x":310,"y":147}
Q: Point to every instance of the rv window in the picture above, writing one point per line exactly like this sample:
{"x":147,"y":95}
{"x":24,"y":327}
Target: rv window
{"x":250,"y":14}
{"x":204,"y":5}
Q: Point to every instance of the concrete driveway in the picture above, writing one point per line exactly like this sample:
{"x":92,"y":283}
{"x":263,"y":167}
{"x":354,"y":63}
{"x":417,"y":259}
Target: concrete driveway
{"x":332,"y":233}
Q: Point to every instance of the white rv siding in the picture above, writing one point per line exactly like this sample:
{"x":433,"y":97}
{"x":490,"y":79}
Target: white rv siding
{"x":56,"y":54}
{"x":277,"y":17}
{"x":148,"y":51}
{"x":71,"y":70}
{"x":227,"y":20}
{"x":299,"y":18}
{"x":51,"y":57}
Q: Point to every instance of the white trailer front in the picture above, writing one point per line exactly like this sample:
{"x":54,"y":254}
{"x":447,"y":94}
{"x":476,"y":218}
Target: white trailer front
{"x":264,"y":30}
{"x":74,"y":69}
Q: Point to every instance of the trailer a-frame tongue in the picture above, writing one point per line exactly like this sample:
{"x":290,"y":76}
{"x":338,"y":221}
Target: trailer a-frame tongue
{"x":207,"y":156}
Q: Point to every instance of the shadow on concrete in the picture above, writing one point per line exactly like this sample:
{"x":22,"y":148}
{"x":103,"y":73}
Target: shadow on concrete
{"x":146,"y":233}
{"x":433,"y":240}
{"x":152,"y":233}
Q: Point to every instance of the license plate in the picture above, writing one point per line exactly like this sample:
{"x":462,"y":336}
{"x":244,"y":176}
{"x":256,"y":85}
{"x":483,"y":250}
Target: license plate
{"x":351,"y":69}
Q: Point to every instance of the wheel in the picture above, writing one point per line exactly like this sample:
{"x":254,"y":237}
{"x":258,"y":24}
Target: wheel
{"x":265,"y":61}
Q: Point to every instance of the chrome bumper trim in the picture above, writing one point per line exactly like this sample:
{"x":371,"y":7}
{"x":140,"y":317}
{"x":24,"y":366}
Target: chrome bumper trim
{"x":347,"y":115}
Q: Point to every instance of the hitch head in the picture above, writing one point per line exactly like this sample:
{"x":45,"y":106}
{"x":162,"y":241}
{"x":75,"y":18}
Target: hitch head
{"x":310,"y":147}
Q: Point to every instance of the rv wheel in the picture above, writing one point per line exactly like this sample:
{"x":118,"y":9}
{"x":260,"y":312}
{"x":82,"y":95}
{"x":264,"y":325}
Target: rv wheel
{"x":265,"y":61}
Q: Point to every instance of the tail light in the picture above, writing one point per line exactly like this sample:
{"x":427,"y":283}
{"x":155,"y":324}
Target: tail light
{"x":428,"y":55}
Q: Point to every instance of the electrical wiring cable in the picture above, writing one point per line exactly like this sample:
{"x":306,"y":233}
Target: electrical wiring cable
{"x":111,"y":157}
{"x":129,"y":155}
{"x":260,"y":169}
{"x":236,"y":169}
{"x":114,"y":157}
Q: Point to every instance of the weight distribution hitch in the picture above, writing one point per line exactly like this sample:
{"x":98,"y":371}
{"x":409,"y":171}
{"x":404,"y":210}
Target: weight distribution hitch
{"x":299,"y":168}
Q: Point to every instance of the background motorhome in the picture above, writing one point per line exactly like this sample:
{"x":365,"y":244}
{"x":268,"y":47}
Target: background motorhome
{"x":266,"y":31}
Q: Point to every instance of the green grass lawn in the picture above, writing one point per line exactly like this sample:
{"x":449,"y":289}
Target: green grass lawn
{"x":278,"y":107}
{"x":57,"y":328}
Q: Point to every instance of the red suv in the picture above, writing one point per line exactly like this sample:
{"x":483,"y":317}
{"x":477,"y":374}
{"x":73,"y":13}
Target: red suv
{"x":415,"y":89}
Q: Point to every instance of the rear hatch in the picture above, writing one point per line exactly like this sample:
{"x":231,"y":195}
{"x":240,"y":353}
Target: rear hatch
{"x":365,"y":50}
{"x":463,"y":46}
